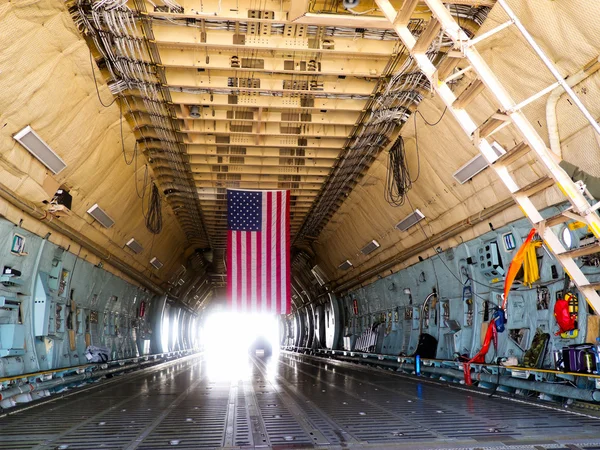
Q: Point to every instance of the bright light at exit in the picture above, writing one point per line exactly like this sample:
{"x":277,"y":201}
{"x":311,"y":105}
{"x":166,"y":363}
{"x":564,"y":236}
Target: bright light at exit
{"x":164,"y":332}
{"x":229,"y":338}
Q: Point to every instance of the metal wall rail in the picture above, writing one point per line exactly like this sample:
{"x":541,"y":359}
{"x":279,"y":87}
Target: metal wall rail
{"x":52,"y":379}
{"x":553,"y":383}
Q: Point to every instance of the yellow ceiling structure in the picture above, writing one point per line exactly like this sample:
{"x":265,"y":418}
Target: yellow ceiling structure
{"x":257,"y":94}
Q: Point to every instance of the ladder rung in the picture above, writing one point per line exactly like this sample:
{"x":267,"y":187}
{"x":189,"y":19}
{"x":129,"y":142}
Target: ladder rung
{"x":492,"y":125}
{"x":535,"y":187}
{"x":446,"y":67}
{"x":469,"y":94}
{"x":556,"y":220}
{"x":427,"y":36}
{"x":513,"y":154}
{"x":403,"y":17}
{"x":595,"y":286}
{"x":583,"y":251}
{"x":490,"y":32}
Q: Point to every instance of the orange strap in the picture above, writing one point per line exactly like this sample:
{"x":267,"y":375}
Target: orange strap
{"x":515,"y":266}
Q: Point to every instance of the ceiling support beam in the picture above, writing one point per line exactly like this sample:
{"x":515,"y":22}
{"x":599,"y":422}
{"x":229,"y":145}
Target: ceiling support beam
{"x":306,"y":102}
{"x":294,"y":64}
{"x":187,"y":37}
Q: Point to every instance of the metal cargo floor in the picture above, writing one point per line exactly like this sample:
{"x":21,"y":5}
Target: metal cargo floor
{"x":293,"y":402}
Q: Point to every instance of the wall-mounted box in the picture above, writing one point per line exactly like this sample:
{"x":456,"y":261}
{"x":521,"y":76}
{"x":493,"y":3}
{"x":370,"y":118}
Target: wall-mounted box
{"x":12,"y":339}
{"x":8,"y":302}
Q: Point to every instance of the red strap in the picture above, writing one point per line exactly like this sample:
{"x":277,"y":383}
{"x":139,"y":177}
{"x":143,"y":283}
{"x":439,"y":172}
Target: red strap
{"x":467,"y":370}
{"x":479,"y":358}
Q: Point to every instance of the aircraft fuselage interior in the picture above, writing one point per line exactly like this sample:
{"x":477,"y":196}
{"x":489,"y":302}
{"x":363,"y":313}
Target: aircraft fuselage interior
{"x":289,"y":224}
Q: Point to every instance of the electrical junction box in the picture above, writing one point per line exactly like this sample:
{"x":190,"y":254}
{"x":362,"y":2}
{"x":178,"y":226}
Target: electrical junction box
{"x":12,"y":339}
{"x":62,"y":197}
{"x":489,"y":260}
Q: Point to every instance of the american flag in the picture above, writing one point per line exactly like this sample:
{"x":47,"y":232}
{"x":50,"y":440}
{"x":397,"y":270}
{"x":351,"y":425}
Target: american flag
{"x":258,"y":251}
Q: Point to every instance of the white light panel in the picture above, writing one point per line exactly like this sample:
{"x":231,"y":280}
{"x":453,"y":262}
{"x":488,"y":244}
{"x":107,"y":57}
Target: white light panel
{"x":134,"y":246}
{"x":38,"y":148}
{"x":410,"y":220}
{"x":345,"y":265}
{"x":370,"y":247}
{"x":101,"y":217}
{"x":156,"y":263}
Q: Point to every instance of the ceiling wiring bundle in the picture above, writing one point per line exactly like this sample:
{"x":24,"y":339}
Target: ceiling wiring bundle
{"x":132,"y":65}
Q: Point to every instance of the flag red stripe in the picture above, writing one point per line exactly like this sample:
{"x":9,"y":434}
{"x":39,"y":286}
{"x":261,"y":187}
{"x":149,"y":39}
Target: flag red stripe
{"x":269,"y":249}
{"x":258,"y":270}
{"x":288,"y":297}
{"x":238,"y":268}
{"x":248,"y":268}
{"x":278,"y":253}
{"x":229,"y":267}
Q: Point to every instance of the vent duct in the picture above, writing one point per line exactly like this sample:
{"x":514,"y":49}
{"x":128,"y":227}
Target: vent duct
{"x":410,"y":220}
{"x":320,"y":276}
{"x":370,"y":247}
{"x":156,"y":263}
{"x":470,"y":169}
{"x":101,"y":217}
{"x":476,"y":165}
{"x":195,"y":111}
{"x":134,"y":246}
{"x":38,"y":148}
{"x":345,"y":265}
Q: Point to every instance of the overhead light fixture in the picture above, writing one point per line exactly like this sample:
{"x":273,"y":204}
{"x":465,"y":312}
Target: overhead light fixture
{"x":134,"y":246}
{"x":410,"y":220}
{"x":370,"y":247}
{"x":345,"y":265}
{"x":156,"y":263}
{"x":195,"y":111}
{"x":101,"y":217}
{"x":38,"y":148}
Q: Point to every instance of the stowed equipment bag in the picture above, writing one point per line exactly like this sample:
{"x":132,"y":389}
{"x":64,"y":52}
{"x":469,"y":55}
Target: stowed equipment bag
{"x":535,"y":355}
{"x":96,"y":354}
{"x":565,"y":314}
{"x":578,"y":358}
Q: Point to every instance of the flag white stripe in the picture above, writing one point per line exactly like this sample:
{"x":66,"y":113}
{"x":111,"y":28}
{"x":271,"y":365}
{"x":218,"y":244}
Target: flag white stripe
{"x":253,"y":273}
{"x":233,"y":270}
{"x":243,"y":265}
{"x":274,"y":250}
{"x":263,"y":261}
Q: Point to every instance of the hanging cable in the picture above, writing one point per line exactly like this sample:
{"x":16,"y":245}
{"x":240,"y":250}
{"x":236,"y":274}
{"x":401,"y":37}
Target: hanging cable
{"x":398,"y":181}
{"x":431,"y":124}
{"x":96,"y":84}
{"x":154,"y":217}
{"x":123,"y":140}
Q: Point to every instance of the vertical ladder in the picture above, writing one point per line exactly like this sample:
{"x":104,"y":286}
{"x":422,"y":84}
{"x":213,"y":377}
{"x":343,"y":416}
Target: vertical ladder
{"x":509,"y":114}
